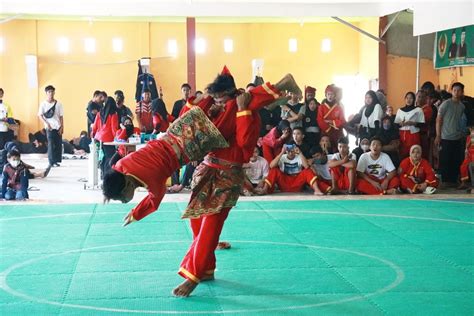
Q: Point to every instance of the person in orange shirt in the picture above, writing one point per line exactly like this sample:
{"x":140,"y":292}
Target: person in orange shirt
{"x":331,"y":116}
{"x":416,"y":174}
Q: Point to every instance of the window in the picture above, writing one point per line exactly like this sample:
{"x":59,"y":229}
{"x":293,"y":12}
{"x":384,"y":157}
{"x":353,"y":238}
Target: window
{"x":200,"y":46}
{"x":89,"y":45}
{"x":117,"y":45}
{"x":293,"y":45}
{"x":172,"y":47}
{"x":63,"y":45}
{"x":326,"y":45}
{"x":228,"y":45}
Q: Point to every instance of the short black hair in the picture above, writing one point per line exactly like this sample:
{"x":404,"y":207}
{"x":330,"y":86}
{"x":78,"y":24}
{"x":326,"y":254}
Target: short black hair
{"x":457,"y":84}
{"x":343,"y":140}
{"x":49,"y":88}
{"x":222,"y":84}
{"x":113,"y":184}
{"x":198,"y":92}
{"x":186,"y":85}
{"x":428,"y":86}
{"x":13,"y":153}
{"x":1,"y":90}
{"x":104,"y":94}
{"x":251,"y":85}
{"x":96,"y":93}
{"x":377,"y":139}
{"x":146,"y":90}
{"x":118,"y":92}
{"x":299,"y":128}
{"x":316,"y":149}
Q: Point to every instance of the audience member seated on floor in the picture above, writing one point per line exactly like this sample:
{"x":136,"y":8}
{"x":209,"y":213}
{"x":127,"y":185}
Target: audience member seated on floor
{"x":416,"y":174}
{"x":343,"y":168}
{"x":273,"y":142}
{"x":290,"y":172}
{"x":467,"y":166}
{"x":256,"y":170}
{"x":13,"y":146}
{"x":14,"y":178}
{"x":122,"y":135}
{"x":299,"y":139}
{"x":320,"y":167}
{"x":375,"y":171}
{"x":82,"y":142}
{"x":325,"y":144}
{"x":390,"y":140}
{"x":364,"y":146}
{"x":409,"y":118}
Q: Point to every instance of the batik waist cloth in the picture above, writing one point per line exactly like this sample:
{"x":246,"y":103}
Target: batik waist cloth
{"x":196,"y":134}
{"x":216,"y":185}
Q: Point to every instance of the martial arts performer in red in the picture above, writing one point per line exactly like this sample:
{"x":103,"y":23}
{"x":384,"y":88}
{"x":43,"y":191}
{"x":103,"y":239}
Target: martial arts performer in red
{"x":217,"y":181}
{"x":468,"y":162}
{"x":416,"y":174}
{"x":331,"y":116}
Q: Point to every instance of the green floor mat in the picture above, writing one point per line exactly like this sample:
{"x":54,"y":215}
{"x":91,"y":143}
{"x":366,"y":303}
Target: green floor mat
{"x":395,"y":257}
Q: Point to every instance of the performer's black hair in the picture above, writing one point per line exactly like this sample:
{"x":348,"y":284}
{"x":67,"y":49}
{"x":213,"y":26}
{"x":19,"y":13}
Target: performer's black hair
{"x":113,"y":185}
{"x":222,"y":84}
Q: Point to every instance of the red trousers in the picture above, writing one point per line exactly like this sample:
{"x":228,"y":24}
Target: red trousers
{"x":324,"y":185}
{"x":290,"y":183}
{"x":407,"y":139}
{"x":363,"y":186}
{"x":200,"y":259}
{"x":341,"y":176}
{"x":406,"y":183}
{"x":465,"y":169}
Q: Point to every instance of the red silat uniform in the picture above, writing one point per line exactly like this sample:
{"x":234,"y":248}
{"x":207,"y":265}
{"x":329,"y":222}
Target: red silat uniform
{"x":422,"y":170}
{"x":468,"y":160}
{"x":334,"y":113}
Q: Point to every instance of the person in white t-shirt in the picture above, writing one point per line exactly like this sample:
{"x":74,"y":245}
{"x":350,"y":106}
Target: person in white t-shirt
{"x":290,"y":171}
{"x":256,"y":170}
{"x":376,"y":172}
{"x":51,"y":112}
{"x":343,"y":168}
{"x":5,"y":114}
{"x":409,"y":118}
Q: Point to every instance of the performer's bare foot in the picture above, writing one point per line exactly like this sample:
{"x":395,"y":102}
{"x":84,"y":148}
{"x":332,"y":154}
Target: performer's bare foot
{"x":319,"y":193}
{"x":288,"y":83}
{"x":128,"y":219}
{"x":175,"y":188}
{"x":391,"y":192}
{"x":184,"y":289}
{"x":221,"y":245}
{"x":262,"y":190}
{"x":462,"y":186}
{"x":208,"y":277}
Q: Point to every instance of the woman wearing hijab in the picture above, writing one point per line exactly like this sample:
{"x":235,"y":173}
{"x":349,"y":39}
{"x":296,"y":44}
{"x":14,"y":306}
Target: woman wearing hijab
{"x":104,"y":129}
{"x":409,"y":118}
{"x":371,"y":116}
{"x":390,"y":140}
{"x":416,"y":174}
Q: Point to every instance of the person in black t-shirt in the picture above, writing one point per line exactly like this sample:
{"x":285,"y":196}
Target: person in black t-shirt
{"x":178,"y":105}
{"x":122,"y":109}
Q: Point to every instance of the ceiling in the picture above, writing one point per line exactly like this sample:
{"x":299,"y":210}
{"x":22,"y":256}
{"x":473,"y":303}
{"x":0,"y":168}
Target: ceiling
{"x":429,"y":16}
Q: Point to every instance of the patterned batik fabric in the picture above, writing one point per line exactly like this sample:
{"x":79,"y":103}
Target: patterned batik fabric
{"x":214,"y":188}
{"x":196,"y":134}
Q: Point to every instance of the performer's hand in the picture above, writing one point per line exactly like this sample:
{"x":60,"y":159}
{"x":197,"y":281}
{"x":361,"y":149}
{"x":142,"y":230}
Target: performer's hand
{"x":384,"y":184}
{"x":128,"y":219}
{"x":243,"y":101}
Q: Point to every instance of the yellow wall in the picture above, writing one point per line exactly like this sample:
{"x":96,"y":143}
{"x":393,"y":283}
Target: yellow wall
{"x":369,"y":49}
{"x":77,"y":74}
{"x":449,"y":76}
{"x":401,"y":74}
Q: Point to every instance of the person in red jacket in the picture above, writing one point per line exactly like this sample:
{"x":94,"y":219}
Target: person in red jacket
{"x":468,"y":162}
{"x":122,"y":135}
{"x":105,"y":126}
{"x":217,"y":181}
{"x":273,"y":142}
{"x":416,"y":174}
{"x":331,"y":116}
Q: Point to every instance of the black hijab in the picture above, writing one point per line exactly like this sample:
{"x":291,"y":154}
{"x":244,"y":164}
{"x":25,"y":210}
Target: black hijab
{"x":159,"y":107}
{"x":109,"y":108}
{"x":369,"y":108}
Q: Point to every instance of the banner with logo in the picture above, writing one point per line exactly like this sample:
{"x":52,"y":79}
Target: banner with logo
{"x":455,"y":47}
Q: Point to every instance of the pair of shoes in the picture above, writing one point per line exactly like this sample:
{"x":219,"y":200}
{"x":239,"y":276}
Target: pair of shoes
{"x":429,"y":190}
{"x":56,"y":164}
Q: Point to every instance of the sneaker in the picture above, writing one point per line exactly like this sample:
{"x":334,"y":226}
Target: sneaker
{"x":429,"y":190}
{"x":46,"y":171}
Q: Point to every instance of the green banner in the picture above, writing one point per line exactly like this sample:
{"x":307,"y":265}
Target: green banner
{"x":455,"y":47}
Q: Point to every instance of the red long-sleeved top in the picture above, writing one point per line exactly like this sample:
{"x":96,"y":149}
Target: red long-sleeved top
{"x":272,"y":140}
{"x":334,"y":113}
{"x":421,"y":170}
{"x":105,"y":132}
{"x":240,"y":128}
{"x":121,"y":134}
